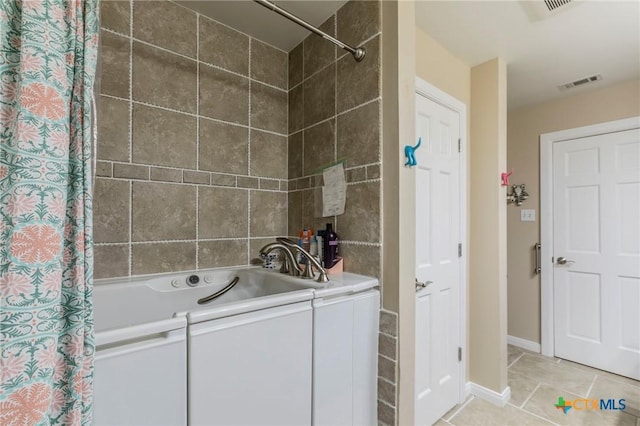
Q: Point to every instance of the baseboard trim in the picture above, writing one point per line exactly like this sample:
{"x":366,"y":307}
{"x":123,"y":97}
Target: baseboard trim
{"x":524,"y":344}
{"x":499,"y":399}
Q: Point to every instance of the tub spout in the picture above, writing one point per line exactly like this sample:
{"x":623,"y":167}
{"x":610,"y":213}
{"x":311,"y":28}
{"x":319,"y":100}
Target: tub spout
{"x":289,"y":266}
{"x":311,"y":261}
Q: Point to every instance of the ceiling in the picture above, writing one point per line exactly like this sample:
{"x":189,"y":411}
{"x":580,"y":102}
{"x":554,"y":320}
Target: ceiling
{"x":264,"y":24}
{"x":579,"y":40}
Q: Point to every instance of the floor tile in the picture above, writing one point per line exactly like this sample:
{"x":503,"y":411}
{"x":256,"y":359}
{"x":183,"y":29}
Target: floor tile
{"x":522,"y":386}
{"x":455,"y":409}
{"x":602,"y":373}
{"x":543,"y":401}
{"x":605,"y":388}
{"x":513,"y":353}
{"x":480,"y":412}
{"x":546,"y":370}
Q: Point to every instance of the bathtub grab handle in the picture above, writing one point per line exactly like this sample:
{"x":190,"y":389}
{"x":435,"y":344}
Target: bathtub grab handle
{"x":219,"y":293}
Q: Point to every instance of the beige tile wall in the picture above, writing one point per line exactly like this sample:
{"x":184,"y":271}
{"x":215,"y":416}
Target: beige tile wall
{"x":192,"y":146}
{"x":335,"y":115}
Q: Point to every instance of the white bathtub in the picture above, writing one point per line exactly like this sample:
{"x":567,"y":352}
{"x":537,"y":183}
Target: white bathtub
{"x":145,"y":325}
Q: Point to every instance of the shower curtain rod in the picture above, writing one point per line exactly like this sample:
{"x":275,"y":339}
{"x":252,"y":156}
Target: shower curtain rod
{"x":357,"y":52}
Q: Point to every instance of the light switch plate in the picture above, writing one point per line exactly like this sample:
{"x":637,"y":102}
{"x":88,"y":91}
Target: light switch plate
{"x":527,"y":215}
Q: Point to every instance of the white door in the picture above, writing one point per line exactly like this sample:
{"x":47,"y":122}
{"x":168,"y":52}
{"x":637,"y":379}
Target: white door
{"x":596,"y":247}
{"x":437,"y":262}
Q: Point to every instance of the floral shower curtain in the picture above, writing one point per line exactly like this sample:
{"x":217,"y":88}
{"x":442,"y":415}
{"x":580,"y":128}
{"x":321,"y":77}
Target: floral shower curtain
{"x":48,"y":51}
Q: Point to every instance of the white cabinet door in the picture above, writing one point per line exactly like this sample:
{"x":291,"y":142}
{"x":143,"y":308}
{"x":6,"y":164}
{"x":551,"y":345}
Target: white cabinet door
{"x":142,"y":383}
{"x":596,"y":278}
{"x":345,"y":350}
{"x":252,"y":369}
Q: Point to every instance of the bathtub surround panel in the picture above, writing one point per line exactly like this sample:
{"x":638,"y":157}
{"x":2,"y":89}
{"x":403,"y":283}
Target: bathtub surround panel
{"x":115,"y":15}
{"x":268,"y":64}
{"x":162,"y":78}
{"x":356,"y":129}
{"x":214,"y":254}
{"x":268,"y":213}
{"x":163,"y":211}
{"x":319,"y":147}
{"x":114,"y":136}
{"x":113,"y":260}
{"x":319,"y":94}
{"x":318,"y":52}
{"x":223,"y":46}
{"x":269,"y":108}
{"x":359,"y":82}
{"x":115,"y":56}
{"x":268,"y":155}
{"x":165,"y":24}
{"x":186,"y":133}
{"x":358,"y":21}
{"x":112,"y":212}
{"x":222,"y":212}
{"x":162,"y":257}
{"x":224,"y":95}
{"x":163,"y":138}
{"x":223,"y":147}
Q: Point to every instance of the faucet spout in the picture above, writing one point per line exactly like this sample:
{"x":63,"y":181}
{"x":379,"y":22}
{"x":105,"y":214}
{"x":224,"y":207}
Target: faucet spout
{"x":308,"y":272}
{"x":289,"y":265}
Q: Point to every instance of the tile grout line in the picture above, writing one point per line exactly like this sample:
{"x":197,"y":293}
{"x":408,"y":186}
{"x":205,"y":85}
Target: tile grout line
{"x":535,"y":415}
{"x":593,"y":382}
{"x":218,"y":67}
{"x":190,"y":114}
{"x":124,"y":243}
{"x":336,"y":59}
{"x":338,"y":114}
{"x":248,"y":258}
{"x":222,"y":24}
{"x":455,"y":413}
{"x":335,"y":112}
{"x":515,"y":360}
{"x":197,"y":141}
{"x":530,"y":396}
{"x":231,"y":123}
{"x":130,"y":246}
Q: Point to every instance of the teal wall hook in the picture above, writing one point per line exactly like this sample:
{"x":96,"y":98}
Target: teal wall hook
{"x":410,"y":153}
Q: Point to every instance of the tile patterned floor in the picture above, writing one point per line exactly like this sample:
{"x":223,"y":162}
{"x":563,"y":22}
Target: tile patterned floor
{"x":536,"y":382}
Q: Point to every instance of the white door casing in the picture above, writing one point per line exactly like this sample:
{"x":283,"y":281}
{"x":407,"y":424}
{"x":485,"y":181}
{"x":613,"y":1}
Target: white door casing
{"x":590,"y":210}
{"x":439,"y":316}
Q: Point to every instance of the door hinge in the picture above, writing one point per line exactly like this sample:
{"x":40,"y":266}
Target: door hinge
{"x":459,"y":249}
{"x":459,"y":354}
{"x":459,"y":145}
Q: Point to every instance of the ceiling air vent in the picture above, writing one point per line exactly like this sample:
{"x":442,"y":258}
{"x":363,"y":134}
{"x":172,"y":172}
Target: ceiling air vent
{"x":554,"y":4}
{"x":542,"y":9}
{"x":581,"y":82}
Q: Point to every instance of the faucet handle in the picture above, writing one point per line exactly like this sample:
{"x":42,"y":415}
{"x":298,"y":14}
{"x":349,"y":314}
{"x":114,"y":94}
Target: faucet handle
{"x":308,"y":270}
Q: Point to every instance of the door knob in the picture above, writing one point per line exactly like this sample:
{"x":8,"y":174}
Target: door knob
{"x":564,"y":261}
{"x":421,"y":285}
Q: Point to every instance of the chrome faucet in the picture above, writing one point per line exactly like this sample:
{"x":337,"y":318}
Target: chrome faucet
{"x":311,"y":261}
{"x":289,"y":264}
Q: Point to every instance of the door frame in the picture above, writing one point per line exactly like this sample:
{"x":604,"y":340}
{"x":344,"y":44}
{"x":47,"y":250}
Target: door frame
{"x":547,"y":140}
{"x":431,"y":92}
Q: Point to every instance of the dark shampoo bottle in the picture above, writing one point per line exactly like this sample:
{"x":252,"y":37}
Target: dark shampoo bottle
{"x":330,"y":247}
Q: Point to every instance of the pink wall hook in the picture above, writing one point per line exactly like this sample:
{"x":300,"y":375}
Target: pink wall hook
{"x":505,"y":178}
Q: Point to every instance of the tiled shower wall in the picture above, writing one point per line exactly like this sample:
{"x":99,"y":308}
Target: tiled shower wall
{"x":335,"y":115}
{"x":192,"y":145}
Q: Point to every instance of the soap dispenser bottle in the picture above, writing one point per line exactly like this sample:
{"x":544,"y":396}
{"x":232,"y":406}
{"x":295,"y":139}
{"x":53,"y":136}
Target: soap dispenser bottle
{"x":330,"y":247}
